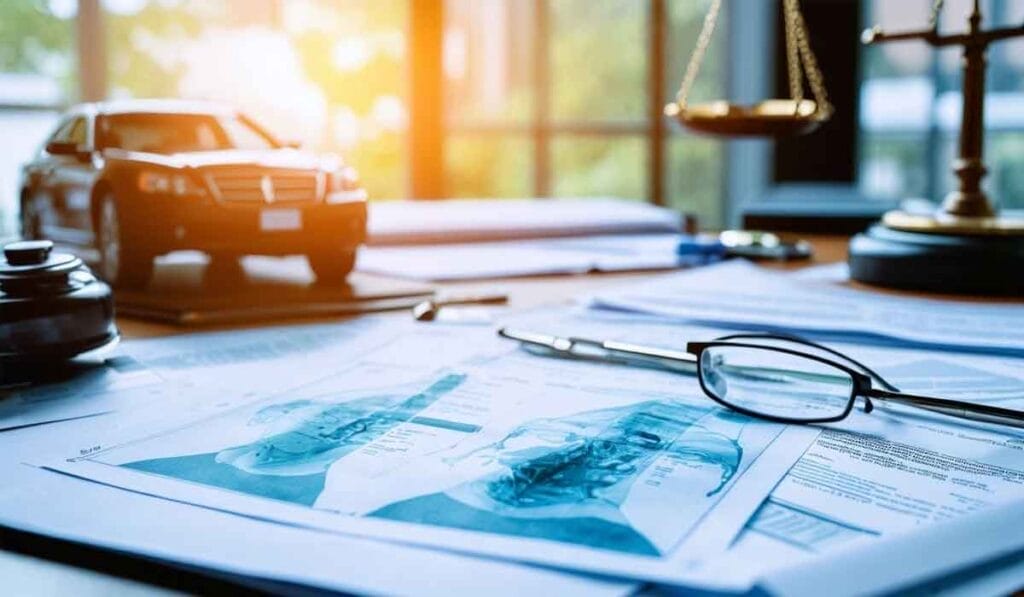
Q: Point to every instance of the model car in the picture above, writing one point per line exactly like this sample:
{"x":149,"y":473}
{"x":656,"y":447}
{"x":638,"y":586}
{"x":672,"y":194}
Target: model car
{"x":138,"y":179}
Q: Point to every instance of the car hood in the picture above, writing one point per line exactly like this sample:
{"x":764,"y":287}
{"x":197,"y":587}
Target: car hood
{"x":270,"y":158}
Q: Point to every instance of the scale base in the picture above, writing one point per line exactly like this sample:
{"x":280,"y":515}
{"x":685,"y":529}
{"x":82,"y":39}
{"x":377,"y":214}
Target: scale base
{"x":939,"y":262}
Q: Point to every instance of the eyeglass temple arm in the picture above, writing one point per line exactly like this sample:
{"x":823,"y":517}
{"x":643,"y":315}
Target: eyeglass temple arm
{"x":956,"y":408}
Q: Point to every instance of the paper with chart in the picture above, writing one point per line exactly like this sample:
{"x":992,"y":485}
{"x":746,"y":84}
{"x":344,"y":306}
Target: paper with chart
{"x":872,"y":475}
{"x":737,"y":294}
{"x":75,"y":510}
{"x":501,"y":454}
{"x":145,"y":371}
{"x":891,"y":472}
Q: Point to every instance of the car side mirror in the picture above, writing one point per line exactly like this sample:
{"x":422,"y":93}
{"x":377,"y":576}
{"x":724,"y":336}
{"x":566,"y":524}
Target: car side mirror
{"x":66,"y":148}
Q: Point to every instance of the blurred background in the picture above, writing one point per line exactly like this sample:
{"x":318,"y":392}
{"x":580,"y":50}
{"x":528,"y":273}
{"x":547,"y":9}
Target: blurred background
{"x":511,"y":98}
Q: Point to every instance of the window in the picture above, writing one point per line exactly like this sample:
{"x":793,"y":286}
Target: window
{"x":171,"y":133}
{"x":78,"y":132}
{"x":328,"y":74}
{"x":901,"y":126}
{"x":540,"y":102}
{"x":512,"y":98}
{"x":910,"y":116}
{"x":36,"y":78}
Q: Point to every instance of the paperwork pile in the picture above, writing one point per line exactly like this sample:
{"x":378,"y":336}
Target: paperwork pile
{"x":740,"y":295}
{"x":387,"y":456}
{"x":525,"y":257}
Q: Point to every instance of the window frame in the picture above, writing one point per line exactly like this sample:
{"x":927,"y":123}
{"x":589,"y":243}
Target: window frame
{"x":753,"y":197}
{"x":749,"y":191}
{"x":543,"y":130}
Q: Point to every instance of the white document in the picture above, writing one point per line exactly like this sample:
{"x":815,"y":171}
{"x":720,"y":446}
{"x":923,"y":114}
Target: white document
{"x":874,"y":475}
{"x":474,"y":220}
{"x":502,"y":454}
{"x":524,"y":257}
{"x":976,"y":555}
{"x":76,"y":390}
{"x":897,"y":469}
{"x":138,"y":372}
{"x":737,"y":294}
{"x":62,"y":506}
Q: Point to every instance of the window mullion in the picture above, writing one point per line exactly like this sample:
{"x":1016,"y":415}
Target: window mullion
{"x":656,"y":90}
{"x":542,"y":99}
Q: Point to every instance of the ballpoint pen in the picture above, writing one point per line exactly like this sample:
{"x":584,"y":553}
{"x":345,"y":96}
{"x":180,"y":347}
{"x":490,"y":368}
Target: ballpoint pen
{"x":605,"y":351}
{"x":428,"y":310}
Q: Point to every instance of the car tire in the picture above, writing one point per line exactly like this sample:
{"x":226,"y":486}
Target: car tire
{"x":331,"y":266}
{"x":31,"y":223}
{"x":122,"y":263}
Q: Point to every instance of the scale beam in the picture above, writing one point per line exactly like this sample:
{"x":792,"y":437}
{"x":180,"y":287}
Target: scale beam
{"x":876,"y":35}
{"x":969,"y":200}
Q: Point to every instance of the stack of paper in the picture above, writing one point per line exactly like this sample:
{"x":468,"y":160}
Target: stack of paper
{"x":740,"y":295}
{"x":470,"y":220}
{"x":524,"y":258}
{"x":387,"y":456}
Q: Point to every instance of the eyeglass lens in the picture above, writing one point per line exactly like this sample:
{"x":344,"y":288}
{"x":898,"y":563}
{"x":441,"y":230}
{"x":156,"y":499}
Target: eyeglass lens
{"x":774,"y":383}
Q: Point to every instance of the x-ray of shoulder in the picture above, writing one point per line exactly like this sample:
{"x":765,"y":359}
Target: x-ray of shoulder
{"x":574,"y":466}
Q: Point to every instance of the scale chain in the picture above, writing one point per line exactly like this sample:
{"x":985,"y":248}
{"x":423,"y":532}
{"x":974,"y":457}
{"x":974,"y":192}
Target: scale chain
{"x":791,"y":13}
{"x":697,"y":58}
{"x":811,"y":69}
{"x":933,"y":21}
{"x":800,"y":58}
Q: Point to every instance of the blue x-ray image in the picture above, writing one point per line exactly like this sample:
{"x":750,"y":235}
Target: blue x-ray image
{"x":562,"y":479}
{"x":305,"y":437}
{"x":565,"y":479}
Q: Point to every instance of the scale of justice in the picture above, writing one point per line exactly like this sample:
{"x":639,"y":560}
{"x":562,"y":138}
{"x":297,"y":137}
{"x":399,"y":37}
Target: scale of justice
{"x":963,"y":246}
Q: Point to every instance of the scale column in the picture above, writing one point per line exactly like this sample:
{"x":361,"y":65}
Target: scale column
{"x":970,"y":200}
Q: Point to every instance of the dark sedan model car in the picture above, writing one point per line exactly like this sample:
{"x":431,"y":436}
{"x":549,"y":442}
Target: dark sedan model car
{"x":138,"y":179}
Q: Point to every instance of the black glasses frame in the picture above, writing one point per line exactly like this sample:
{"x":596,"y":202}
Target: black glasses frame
{"x":862,"y":386}
{"x":867,"y":384}
{"x":860,"y":381}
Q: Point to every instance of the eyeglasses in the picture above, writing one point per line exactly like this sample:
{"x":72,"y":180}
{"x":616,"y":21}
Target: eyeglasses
{"x":776,"y":377}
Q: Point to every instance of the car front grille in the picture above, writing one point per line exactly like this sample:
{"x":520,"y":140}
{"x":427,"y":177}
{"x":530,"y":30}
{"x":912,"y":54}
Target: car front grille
{"x":261,"y":186}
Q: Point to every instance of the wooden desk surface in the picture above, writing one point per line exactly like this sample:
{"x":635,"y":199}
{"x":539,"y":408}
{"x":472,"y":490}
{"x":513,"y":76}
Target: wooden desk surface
{"x":523,"y":292}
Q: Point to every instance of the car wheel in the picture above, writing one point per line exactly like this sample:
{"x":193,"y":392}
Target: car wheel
{"x":331,"y":267}
{"x":121,"y":264}
{"x":31,"y":220}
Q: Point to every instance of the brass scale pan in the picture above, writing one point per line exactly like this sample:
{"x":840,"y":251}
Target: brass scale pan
{"x":769,"y":118}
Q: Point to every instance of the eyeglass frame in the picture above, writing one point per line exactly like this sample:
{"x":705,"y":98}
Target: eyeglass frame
{"x":861,"y":382}
{"x":688,"y":362}
{"x":862,"y":386}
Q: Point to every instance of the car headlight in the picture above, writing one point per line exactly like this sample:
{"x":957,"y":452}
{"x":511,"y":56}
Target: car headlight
{"x":343,"y":186}
{"x":167,"y":183}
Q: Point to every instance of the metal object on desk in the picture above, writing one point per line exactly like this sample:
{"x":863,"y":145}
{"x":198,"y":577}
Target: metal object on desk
{"x":751,"y":244}
{"x":776,"y":377}
{"x":429,"y":310}
{"x":52,"y":308}
{"x":605,"y":351}
{"x":965,"y":245}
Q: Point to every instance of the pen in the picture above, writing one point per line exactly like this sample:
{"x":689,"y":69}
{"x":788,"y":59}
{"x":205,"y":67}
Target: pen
{"x":428,"y":310}
{"x":606,"y":351}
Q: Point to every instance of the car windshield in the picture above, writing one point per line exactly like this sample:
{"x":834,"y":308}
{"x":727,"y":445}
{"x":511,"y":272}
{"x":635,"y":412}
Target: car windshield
{"x":176,"y":133}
